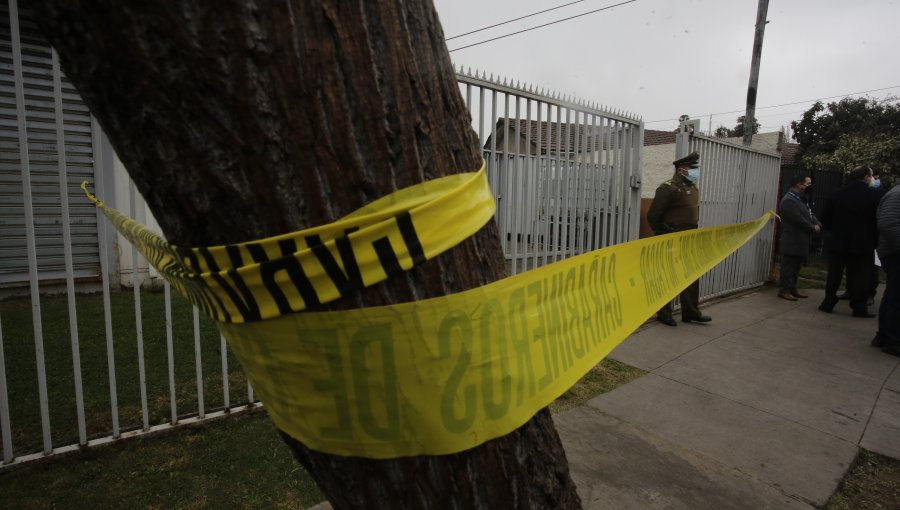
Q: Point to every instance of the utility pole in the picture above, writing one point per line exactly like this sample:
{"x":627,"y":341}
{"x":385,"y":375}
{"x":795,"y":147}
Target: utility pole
{"x":750,"y":115}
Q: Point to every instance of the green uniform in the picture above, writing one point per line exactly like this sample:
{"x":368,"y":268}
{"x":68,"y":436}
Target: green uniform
{"x":676,"y":207}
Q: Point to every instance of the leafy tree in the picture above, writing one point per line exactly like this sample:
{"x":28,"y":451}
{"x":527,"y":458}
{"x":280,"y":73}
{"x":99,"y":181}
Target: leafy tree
{"x":881,"y":151}
{"x":722,"y":132}
{"x":850,"y":132}
{"x":239,"y":120}
{"x":737,"y":130}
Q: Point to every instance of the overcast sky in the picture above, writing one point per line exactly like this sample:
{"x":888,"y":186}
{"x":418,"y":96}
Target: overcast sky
{"x":659,"y":59}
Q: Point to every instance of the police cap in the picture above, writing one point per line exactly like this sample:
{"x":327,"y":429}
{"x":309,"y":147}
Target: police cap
{"x":691,"y":159}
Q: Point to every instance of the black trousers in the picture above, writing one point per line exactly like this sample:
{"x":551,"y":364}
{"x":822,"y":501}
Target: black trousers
{"x":689,"y":297}
{"x":790,"y":269}
{"x":858,"y":266}
{"x":889,"y":312}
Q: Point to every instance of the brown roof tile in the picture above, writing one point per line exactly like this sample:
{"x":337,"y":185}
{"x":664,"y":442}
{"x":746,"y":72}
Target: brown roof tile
{"x":654,"y":137}
{"x":566,"y":138}
{"x":789,"y":153}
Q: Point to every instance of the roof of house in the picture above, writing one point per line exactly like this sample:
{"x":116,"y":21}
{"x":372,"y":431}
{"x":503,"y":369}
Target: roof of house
{"x":555,"y":136}
{"x":789,"y":153}
{"x":654,"y":137}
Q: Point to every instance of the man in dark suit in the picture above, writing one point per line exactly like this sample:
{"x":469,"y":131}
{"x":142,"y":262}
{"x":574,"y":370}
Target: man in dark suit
{"x":849,"y":221}
{"x":798,"y":224}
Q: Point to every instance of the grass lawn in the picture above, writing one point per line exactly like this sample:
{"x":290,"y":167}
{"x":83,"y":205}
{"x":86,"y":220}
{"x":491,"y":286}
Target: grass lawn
{"x":813,"y":274}
{"x":22,"y":379}
{"x":239,"y":462}
{"x":872,"y":484}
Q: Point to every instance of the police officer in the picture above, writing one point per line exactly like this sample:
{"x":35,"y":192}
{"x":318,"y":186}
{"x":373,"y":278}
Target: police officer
{"x":676,"y":207}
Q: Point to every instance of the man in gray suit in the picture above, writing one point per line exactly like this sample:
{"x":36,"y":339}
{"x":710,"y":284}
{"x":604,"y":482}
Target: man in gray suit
{"x":798,"y":223}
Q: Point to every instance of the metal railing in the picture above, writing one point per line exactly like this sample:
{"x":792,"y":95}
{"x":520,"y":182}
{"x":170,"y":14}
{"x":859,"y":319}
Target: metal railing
{"x":737,"y":184}
{"x":565,"y":173}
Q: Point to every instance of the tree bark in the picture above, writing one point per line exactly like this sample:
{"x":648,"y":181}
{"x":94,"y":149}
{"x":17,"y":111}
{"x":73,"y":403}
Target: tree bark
{"x":239,"y":120}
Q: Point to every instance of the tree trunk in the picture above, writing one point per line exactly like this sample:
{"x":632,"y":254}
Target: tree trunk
{"x":239,"y":120}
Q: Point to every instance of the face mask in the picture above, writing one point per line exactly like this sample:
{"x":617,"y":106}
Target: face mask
{"x":875,"y":183}
{"x":693,"y":175}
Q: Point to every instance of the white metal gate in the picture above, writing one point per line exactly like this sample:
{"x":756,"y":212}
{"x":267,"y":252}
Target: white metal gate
{"x":565,"y":174}
{"x":737,"y":184}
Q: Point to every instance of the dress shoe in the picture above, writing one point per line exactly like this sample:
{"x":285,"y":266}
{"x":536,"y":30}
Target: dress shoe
{"x":702,"y":318}
{"x":891,"y":349}
{"x":668,"y":321}
{"x":798,"y":295}
{"x":826,"y":308}
{"x":787,"y":295}
{"x":863,"y":314}
{"x":878,"y":341}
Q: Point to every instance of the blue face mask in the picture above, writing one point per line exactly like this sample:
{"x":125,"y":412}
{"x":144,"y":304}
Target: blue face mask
{"x":876,"y":183}
{"x":693,"y":175}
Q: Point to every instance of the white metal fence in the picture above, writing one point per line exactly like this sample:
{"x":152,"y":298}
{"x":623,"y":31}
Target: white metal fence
{"x":737,"y":184}
{"x":77,"y":370}
{"x":82,"y":369}
{"x":566,"y":175}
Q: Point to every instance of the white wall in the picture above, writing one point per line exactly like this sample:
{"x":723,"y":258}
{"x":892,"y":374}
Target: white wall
{"x":657,"y":162}
{"x":656,"y":167}
{"x":122,"y":202}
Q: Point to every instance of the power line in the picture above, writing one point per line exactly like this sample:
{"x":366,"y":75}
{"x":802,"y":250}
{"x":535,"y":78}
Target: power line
{"x":512,"y":20}
{"x":785,"y":104}
{"x":541,"y":26}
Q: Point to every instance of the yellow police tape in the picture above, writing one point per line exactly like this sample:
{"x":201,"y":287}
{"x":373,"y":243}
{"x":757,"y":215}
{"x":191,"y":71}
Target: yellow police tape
{"x":443,"y":375}
{"x":262,"y":279}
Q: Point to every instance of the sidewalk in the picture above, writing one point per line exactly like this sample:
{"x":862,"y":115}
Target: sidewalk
{"x":765,"y":407}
